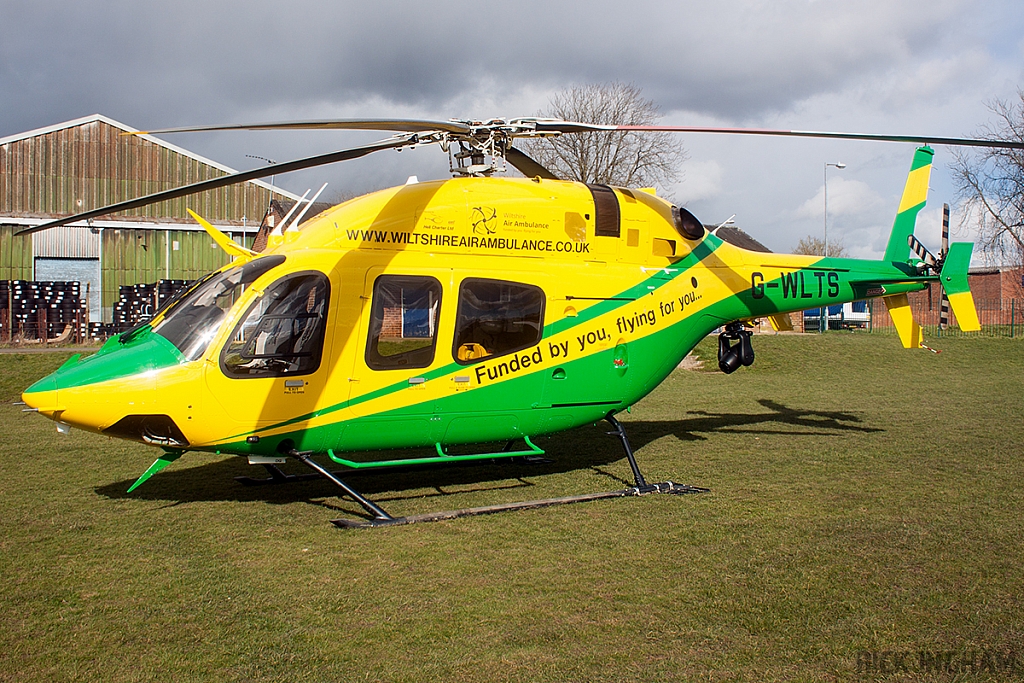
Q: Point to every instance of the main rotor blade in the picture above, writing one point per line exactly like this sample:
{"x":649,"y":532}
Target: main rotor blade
{"x":553,"y":125}
{"x":396,"y":125}
{"x":920,"y":139}
{"x":527,"y":166}
{"x":556,"y":126}
{"x":231,"y":179}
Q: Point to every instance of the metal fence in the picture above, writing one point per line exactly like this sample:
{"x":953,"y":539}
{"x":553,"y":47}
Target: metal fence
{"x":998,"y":318}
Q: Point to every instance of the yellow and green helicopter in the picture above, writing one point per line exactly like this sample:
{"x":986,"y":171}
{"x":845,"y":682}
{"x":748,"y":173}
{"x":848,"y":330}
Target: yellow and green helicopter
{"x":476,"y":309}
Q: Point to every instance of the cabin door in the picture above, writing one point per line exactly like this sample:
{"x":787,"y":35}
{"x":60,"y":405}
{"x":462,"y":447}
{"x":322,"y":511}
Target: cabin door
{"x":273,"y":367}
{"x":390,"y":402}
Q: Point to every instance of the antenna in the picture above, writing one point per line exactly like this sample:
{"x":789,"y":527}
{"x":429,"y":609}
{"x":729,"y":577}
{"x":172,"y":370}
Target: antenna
{"x":278,"y":229}
{"x":295,"y":223}
{"x":727,"y":221}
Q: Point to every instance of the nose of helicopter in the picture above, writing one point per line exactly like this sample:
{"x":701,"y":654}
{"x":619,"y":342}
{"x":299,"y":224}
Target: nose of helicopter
{"x":95,"y":392}
{"x":42,"y":395}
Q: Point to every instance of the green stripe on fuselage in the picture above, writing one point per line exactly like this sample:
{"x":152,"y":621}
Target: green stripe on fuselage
{"x":147,"y":351}
{"x":825,"y":282}
{"x":522,"y":405}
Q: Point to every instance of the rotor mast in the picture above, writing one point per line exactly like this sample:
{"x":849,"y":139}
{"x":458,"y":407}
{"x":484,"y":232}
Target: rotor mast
{"x":481,"y":151}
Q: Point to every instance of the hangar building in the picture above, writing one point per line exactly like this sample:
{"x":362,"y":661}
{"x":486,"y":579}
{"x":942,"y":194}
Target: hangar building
{"x":88,"y":163}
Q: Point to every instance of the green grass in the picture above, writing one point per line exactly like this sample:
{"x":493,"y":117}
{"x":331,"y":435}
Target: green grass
{"x":862,"y":497}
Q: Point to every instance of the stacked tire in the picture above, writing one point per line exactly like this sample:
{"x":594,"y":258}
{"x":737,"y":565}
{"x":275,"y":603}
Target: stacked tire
{"x":137,"y":303}
{"x":41,"y":309}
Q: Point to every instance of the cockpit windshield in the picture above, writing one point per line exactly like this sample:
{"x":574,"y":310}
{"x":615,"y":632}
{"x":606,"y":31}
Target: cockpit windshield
{"x":194,"y":321}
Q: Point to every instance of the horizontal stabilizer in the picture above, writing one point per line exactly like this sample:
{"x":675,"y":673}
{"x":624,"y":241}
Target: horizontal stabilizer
{"x":954,"y":282}
{"x":903,"y":319}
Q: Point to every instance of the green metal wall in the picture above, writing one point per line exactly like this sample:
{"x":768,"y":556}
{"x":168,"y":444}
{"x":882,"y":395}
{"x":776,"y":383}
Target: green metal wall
{"x":91,"y":164}
{"x":15,"y":254}
{"x":138,"y":256}
{"x":129,"y":257}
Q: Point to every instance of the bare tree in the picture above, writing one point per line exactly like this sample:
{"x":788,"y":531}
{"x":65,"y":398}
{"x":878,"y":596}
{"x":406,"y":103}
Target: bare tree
{"x":990,"y":184}
{"x":815,"y":246}
{"x":623,"y":158}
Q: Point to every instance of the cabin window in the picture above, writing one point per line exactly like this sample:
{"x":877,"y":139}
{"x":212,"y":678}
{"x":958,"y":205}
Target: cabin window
{"x":495,"y":318}
{"x":403,"y":322}
{"x":606,"y":211}
{"x":282,"y":333}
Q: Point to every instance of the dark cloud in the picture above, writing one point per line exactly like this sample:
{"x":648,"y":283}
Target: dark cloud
{"x":870,"y":65}
{"x":190,"y":61}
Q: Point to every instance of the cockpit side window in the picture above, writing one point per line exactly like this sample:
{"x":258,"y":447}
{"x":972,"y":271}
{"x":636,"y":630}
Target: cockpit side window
{"x":194,"y":321}
{"x":282,"y":333}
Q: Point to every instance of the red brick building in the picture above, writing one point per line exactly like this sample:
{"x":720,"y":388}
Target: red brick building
{"x":998,"y":295}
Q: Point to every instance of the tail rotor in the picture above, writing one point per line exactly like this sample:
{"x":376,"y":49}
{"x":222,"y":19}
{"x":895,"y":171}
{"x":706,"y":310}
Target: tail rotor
{"x":951,"y":266}
{"x":944,"y":306}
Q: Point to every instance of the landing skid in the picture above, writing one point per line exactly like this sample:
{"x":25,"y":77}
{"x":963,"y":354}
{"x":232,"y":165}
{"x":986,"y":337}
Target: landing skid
{"x":664,"y":487}
{"x":381,"y":518}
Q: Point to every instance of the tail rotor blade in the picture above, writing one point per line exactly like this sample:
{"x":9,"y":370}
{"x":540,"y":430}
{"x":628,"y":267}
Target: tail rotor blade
{"x":921,"y":251}
{"x":945,"y":230}
{"x":944,"y":303}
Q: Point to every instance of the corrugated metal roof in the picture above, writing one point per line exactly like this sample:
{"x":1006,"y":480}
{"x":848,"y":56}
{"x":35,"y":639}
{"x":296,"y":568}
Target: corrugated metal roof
{"x":128,"y":129}
{"x":739,"y":238}
{"x":87,"y":164}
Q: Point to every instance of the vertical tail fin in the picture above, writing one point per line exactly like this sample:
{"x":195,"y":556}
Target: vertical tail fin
{"x":914,"y":195}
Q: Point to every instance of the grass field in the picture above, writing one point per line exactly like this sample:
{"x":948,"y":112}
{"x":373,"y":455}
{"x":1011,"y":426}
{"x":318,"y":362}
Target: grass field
{"x":864,"y":499}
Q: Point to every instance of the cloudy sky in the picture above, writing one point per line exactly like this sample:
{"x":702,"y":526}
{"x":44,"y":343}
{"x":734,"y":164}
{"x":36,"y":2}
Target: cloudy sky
{"x":880,"y":66}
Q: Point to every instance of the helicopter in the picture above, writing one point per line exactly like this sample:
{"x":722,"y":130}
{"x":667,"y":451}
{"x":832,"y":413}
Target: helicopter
{"x":477,"y":309}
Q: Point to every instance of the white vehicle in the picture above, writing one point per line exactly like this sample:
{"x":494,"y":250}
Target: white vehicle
{"x":840,"y":316}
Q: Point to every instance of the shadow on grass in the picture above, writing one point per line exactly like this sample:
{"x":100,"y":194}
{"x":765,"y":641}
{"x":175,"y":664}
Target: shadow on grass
{"x":578,"y":449}
{"x":811,"y":423}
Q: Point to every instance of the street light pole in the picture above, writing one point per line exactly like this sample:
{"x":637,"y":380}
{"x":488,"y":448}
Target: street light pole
{"x":823,"y":319}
